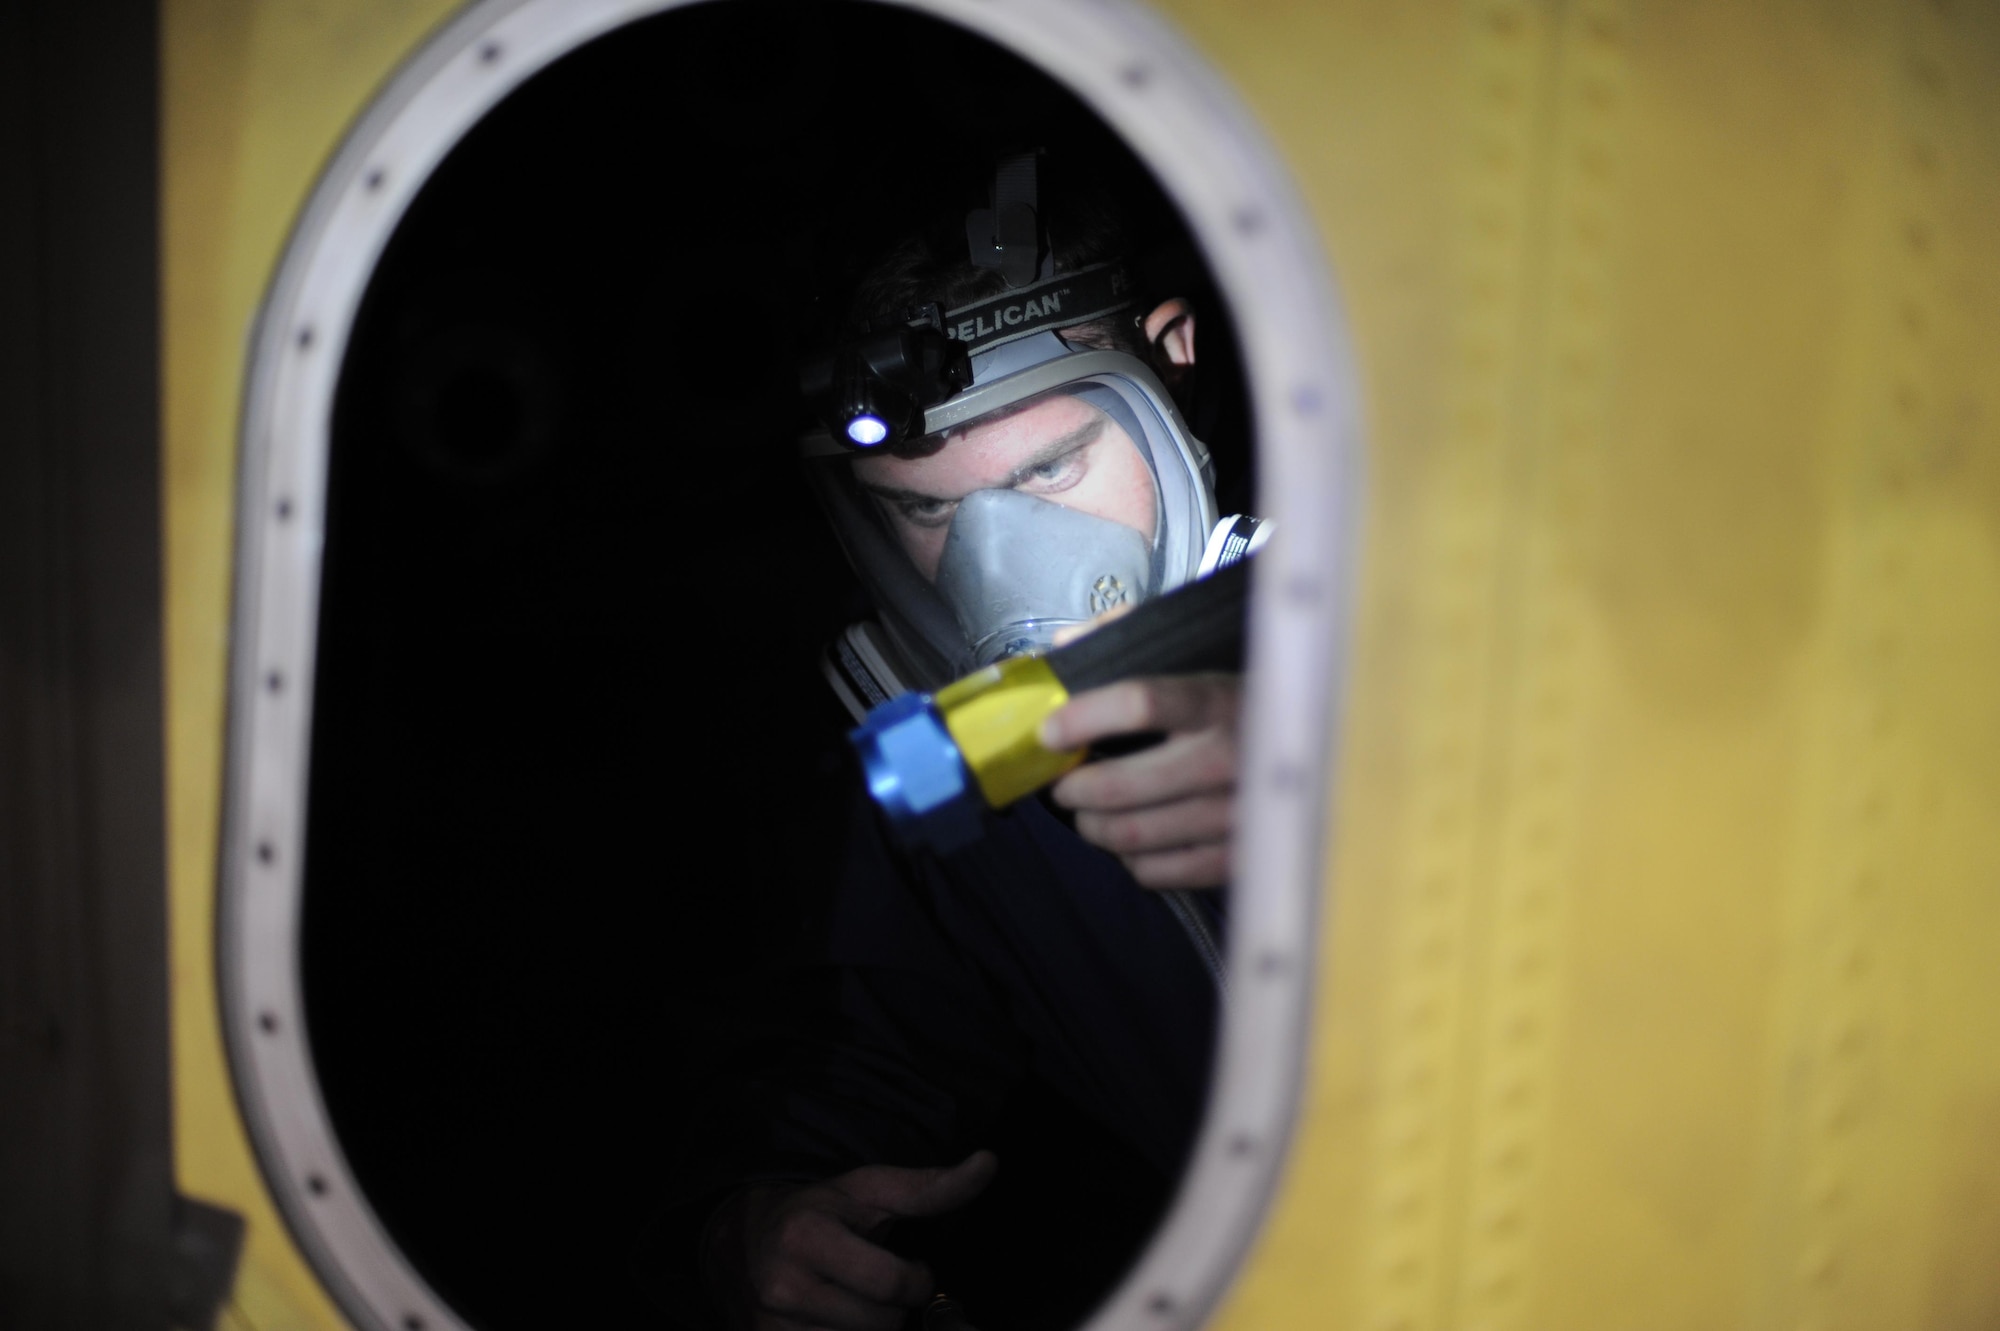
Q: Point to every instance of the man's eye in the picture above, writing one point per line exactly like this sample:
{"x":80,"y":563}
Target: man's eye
{"x":1054,"y":476}
{"x":927,"y":512}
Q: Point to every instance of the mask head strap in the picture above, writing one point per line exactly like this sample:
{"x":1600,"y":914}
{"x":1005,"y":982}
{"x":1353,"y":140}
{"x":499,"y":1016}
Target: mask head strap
{"x":1008,"y":236}
{"x":1054,"y":302}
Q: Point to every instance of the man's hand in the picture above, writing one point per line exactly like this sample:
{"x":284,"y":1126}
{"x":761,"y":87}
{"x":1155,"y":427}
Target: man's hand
{"x":808,"y":1257}
{"x":1168,"y":812}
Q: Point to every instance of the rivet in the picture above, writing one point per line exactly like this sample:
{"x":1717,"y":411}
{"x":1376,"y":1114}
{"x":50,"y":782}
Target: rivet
{"x":316,"y":1185}
{"x":1135,"y":77}
{"x":1248,"y":221}
{"x":266,"y":853}
{"x":283,"y":508}
{"x":1242,"y":1144}
{"x":375,"y":179}
{"x":489,"y":54}
{"x":1302,"y":589}
{"x":1306,"y":400}
{"x":304,"y":337}
{"x":1160,"y":1305}
{"x":274,"y":682}
{"x":1270,"y":965}
{"x":268,"y":1023}
{"x":412,"y":1322}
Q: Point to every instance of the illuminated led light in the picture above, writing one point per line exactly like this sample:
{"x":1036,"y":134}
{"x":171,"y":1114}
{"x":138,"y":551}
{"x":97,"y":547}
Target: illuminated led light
{"x":867,"y":431}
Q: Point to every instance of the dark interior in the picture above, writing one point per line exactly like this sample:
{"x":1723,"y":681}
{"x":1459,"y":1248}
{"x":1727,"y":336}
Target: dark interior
{"x":569,"y":719}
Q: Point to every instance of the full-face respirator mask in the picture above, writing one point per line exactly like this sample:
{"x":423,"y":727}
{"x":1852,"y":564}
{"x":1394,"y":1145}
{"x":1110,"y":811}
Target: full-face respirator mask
{"x":993,"y":484}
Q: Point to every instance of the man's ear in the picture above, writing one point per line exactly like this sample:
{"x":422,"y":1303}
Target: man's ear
{"x":1170,"y":332}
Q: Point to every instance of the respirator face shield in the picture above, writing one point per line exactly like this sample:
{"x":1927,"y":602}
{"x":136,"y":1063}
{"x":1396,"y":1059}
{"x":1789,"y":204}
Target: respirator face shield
{"x":1062,"y":484}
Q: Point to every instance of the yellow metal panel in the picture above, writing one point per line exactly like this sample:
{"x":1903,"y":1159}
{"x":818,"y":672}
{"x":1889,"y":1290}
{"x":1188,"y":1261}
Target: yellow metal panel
{"x":1658,"y":990}
{"x":255,"y":97}
{"x":1665,"y":850}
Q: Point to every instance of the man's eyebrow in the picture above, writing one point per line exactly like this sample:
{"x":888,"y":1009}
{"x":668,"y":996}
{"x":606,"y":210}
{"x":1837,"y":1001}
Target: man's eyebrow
{"x":1083,"y":434}
{"x":897,"y":495}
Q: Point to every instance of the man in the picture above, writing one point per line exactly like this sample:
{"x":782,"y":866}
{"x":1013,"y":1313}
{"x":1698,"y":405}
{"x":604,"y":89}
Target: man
{"x":1025,"y":1000}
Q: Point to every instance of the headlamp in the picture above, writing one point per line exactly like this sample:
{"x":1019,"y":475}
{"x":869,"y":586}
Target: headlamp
{"x":872,"y":391}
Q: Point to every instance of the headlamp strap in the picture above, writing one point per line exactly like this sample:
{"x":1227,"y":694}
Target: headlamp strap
{"x":1008,"y":236}
{"x":1056,"y":302}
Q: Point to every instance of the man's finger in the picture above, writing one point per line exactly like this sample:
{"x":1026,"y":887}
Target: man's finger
{"x":1185,"y":766}
{"x":894,"y":1191}
{"x":1167,"y":702}
{"x":821,"y":1303}
{"x":1175,"y":870}
{"x":874,"y":1273}
{"x":1065,"y":636}
{"x":1183,"y":824}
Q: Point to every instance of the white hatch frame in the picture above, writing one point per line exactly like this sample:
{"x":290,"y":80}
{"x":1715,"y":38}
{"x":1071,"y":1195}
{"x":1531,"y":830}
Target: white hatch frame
{"x":1190,"y":130}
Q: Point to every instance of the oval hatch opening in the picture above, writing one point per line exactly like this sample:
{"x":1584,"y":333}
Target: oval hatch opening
{"x":554,"y":825}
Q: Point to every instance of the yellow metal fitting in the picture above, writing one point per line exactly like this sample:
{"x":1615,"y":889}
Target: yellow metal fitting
{"x":995,"y":715}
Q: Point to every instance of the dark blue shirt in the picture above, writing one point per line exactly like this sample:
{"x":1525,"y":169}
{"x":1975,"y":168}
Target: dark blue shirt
{"x":1023,"y":995}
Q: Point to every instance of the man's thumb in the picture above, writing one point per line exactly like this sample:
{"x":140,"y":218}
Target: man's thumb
{"x":911,"y":1193}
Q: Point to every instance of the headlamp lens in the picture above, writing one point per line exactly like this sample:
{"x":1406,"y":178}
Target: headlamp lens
{"x":867,"y":431}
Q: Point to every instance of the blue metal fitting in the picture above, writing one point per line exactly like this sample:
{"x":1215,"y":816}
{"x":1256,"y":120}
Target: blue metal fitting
{"x":916,"y":775}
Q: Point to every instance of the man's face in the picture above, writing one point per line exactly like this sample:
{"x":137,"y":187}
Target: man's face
{"x":1058,"y":448}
